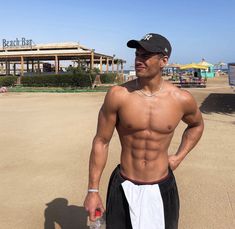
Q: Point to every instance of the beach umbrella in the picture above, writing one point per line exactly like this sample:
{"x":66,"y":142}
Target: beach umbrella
{"x":204,"y":63}
{"x":173,"y":65}
{"x":172,"y":68}
{"x":221,"y":65}
{"x":193,"y":66}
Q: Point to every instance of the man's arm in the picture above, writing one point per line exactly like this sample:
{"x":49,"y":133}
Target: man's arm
{"x":98,"y":157}
{"x":192,"y":134}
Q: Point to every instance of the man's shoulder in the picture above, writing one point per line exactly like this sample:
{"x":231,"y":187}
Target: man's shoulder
{"x":178,"y":93}
{"x":122,"y":89}
{"x":117,"y":95}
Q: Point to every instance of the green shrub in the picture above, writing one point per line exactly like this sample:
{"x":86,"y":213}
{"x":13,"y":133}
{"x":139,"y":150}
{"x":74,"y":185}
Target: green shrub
{"x":8,"y":81}
{"x":108,"y":77}
{"x":64,"y":80}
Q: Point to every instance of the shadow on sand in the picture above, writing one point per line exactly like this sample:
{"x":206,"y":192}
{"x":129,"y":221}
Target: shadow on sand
{"x":66,"y":216}
{"x":218,"y":103}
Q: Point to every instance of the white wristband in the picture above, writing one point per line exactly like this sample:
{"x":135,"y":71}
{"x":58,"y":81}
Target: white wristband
{"x":93,"y":190}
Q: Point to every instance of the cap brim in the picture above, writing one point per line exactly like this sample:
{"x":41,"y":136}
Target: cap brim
{"x":144,"y":45}
{"x":133,"y":44}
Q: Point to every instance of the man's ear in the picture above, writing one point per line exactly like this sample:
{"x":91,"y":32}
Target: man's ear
{"x":164,"y":61}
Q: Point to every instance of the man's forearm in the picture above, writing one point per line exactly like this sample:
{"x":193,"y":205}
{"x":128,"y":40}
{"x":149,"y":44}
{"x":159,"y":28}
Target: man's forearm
{"x":190,"y":138}
{"x":97,"y":163}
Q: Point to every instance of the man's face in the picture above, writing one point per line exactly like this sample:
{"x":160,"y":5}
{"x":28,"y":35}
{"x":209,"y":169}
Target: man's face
{"x":148,"y":64}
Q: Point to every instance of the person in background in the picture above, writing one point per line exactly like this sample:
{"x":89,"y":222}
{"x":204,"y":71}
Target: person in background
{"x":3,"y":89}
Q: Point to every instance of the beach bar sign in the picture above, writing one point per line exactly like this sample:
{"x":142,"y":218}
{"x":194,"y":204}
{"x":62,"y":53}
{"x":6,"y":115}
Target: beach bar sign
{"x":231,"y":73}
{"x":17,"y":43}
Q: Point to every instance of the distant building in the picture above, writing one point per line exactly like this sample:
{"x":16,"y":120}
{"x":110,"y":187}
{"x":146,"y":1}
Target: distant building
{"x":18,"y":57}
{"x":209,"y":72}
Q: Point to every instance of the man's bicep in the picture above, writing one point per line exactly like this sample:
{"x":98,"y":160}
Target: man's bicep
{"x":193,"y":119}
{"x":107,"y":117}
{"x":106,"y":124}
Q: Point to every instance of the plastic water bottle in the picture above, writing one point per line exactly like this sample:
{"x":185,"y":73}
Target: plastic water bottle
{"x":99,"y":223}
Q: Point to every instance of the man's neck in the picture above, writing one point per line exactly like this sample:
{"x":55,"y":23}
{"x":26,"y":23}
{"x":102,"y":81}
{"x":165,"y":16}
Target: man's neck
{"x":149,"y":84}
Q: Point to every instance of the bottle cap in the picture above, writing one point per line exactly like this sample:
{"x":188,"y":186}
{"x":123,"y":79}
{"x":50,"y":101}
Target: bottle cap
{"x":97,"y":213}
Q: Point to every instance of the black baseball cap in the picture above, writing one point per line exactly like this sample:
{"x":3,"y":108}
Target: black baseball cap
{"x":152,"y":42}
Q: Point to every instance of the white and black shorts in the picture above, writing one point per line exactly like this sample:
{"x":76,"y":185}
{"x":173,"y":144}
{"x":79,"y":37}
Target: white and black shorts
{"x":135,"y":205}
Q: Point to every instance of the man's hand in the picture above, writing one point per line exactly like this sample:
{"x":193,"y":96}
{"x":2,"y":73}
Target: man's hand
{"x":92,"y":202}
{"x":173,"y":161}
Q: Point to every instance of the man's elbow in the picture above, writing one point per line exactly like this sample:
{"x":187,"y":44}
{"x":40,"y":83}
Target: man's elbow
{"x":199,"y":127}
{"x":101,"y":141}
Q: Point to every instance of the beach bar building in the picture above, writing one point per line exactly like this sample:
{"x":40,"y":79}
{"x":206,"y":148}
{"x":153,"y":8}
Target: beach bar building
{"x":206,"y":73}
{"x":18,"y":57}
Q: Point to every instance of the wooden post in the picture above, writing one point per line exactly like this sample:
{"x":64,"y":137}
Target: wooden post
{"x":22,"y":66}
{"x":32,"y":65}
{"x":6,"y":67}
{"x":107,"y":65}
{"x":9,"y":67}
{"x":39,"y":66}
{"x":21,"y":70}
{"x":122,"y":71}
{"x":113,"y":64}
{"x":1,"y":68}
{"x":27,"y":65}
{"x":117,"y":66}
{"x":92,"y":59}
{"x":101,"y":64}
{"x":56,"y":65}
{"x":14,"y":69}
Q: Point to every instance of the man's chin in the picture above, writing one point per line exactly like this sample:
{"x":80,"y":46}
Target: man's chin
{"x":140,"y":74}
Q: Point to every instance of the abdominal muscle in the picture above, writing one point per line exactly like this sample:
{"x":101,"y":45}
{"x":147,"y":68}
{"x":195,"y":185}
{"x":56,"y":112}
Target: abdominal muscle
{"x":144,"y":155}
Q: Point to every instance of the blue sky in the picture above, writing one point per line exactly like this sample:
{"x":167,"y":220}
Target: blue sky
{"x":196,"y":29}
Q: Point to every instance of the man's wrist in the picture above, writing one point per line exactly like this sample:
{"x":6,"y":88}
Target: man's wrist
{"x":180,"y":157}
{"x":91,"y":190}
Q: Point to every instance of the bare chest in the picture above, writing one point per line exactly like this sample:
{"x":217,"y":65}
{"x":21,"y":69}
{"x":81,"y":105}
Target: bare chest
{"x":160,"y":114}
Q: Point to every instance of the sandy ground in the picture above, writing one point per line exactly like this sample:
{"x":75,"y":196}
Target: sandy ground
{"x":45,"y":142}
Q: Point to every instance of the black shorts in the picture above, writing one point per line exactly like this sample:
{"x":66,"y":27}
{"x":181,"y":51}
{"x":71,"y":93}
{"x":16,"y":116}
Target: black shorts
{"x":130,"y":204}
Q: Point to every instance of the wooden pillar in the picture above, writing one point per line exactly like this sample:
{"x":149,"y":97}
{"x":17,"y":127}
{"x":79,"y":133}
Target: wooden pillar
{"x":117,"y":67}
{"x":6,"y":67}
{"x":7,"y":64}
{"x":21,"y":70}
{"x":107,"y":65}
{"x":56,"y":65}
{"x":38,"y":66}
{"x":9,"y":67}
{"x":101,"y":64}
{"x":92,"y":59}
{"x":78,"y":63}
{"x":27,"y":65}
{"x":14,"y":69}
{"x":1,"y":68}
{"x":122,"y":67}
{"x":113,"y":65}
{"x":122,"y":71}
{"x":22,"y":65}
{"x":32,"y":66}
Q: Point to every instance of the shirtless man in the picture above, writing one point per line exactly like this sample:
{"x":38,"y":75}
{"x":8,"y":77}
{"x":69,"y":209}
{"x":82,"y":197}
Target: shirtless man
{"x":142,"y":191}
